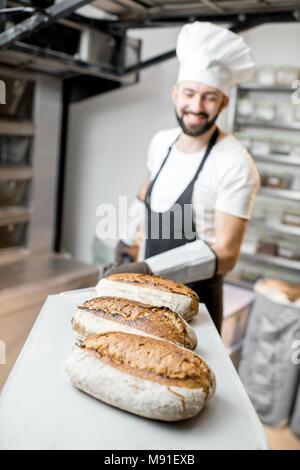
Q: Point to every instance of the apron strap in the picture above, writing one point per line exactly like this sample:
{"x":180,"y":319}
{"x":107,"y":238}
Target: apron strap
{"x":148,"y":192}
{"x":211,"y":143}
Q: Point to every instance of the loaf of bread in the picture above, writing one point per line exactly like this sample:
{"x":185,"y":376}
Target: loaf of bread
{"x":278,"y":290}
{"x":118,"y":314}
{"x":146,"y":376}
{"x":153,"y":290}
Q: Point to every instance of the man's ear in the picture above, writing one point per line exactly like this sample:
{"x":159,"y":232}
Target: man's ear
{"x":174,"y":94}
{"x":225,"y":102}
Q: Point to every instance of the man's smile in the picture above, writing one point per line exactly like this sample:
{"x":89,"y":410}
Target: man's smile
{"x":194,"y":118}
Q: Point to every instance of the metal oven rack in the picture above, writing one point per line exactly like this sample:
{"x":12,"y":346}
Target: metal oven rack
{"x":271,"y":246}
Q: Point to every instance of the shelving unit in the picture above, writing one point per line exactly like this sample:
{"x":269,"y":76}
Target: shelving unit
{"x":17,"y":132}
{"x":16,"y":128}
{"x":30,"y":125}
{"x":281,"y":193}
{"x":15,"y":172}
{"x":275,"y":158}
{"x":253,"y":262}
{"x":265,"y":88}
{"x":277,"y":227}
{"x":14,"y":215}
{"x":289,"y":126}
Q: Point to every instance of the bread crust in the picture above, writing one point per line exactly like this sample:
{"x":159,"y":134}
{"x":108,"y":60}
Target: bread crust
{"x":154,"y":290}
{"x":119,"y":314}
{"x":146,"y":376}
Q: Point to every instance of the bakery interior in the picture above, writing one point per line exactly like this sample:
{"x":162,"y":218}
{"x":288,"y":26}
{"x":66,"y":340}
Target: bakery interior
{"x":84,"y":88}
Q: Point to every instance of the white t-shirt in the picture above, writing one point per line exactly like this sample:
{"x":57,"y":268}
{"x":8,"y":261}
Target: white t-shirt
{"x":228,"y":181}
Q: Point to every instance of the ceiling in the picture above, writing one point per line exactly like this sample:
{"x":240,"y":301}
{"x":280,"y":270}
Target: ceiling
{"x":170,"y":10}
{"x":45,"y":39}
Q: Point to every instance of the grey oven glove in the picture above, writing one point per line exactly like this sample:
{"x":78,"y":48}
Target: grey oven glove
{"x":136,"y":267}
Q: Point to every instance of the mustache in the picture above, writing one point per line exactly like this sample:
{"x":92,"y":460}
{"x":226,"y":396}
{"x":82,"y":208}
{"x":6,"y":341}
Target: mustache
{"x":195,"y":114}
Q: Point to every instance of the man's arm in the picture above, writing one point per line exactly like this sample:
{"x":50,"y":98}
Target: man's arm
{"x":198,"y":260}
{"x":229,"y":232}
{"x":143,"y":189}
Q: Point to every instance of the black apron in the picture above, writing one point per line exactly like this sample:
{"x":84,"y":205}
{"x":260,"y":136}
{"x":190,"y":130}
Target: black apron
{"x":180,"y":231}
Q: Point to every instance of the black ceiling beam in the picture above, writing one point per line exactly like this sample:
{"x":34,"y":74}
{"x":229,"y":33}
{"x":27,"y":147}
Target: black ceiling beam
{"x":2,"y":17}
{"x":39,"y":20}
{"x":236,"y":18}
{"x":150,"y":62}
{"x":241,"y":25}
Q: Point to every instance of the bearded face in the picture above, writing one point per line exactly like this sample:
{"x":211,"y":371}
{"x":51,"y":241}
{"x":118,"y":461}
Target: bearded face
{"x":197,"y":106}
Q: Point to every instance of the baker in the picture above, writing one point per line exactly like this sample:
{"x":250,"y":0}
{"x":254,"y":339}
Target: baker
{"x":198,"y":196}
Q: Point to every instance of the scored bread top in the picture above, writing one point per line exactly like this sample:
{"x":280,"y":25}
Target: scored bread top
{"x":156,"y":321}
{"x":156,"y":282}
{"x":152,"y":359}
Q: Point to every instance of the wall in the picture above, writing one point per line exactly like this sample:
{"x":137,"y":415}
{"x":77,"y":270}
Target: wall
{"x":107,"y":143}
{"x":109,"y":134}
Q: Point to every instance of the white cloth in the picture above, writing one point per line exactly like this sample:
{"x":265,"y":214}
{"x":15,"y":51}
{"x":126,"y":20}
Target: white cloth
{"x":213,"y":55}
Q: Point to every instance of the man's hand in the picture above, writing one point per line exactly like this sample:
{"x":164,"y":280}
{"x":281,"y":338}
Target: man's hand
{"x":230,"y":232}
{"x":138,"y":267}
{"x":123,"y":249}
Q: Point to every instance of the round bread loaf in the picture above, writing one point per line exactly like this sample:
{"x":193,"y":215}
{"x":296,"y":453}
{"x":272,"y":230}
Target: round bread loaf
{"x":146,"y":376}
{"x":153,"y":290}
{"x":118,"y":314}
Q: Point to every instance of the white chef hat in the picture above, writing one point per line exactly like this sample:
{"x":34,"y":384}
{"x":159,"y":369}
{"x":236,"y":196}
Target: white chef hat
{"x":213,"y":55}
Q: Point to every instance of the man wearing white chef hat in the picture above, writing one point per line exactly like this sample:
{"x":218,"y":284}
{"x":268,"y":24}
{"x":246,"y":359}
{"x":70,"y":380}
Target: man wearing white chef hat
{"x":200,"y":168}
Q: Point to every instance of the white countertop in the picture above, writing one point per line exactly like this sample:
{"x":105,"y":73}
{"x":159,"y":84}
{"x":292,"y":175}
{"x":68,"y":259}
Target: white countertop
{"x":40,"y":408}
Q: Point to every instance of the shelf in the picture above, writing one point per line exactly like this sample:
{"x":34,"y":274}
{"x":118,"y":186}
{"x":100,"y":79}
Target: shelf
{"x":13,"y":172}
{"x":16,"y":128}
{"x":280,"y":193}
{"x":12,"y":255}
{"x":260,"y":87}
{"x":258,"y":261}
{"x":274,"y":260}
{"x":276,"y":158}
{"x":279,"y":228}
{"x":290,"y":126}
{"x":14,"y":215}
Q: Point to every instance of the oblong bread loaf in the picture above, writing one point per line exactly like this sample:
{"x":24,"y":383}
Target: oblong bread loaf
{"x":153,"y":290}
{"x":146,"y":376}
{"x":118,"y":314}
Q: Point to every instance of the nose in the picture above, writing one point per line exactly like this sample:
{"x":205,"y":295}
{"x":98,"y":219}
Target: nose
{"x":197,"y":104}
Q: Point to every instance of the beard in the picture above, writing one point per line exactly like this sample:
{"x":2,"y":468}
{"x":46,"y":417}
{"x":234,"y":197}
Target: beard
{"x":195,"y":130}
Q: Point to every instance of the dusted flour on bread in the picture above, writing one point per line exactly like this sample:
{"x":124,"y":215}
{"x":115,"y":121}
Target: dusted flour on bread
{"x":159,"y":282}
{"x":109,"y":313}
{"x":152,"y":358}
{"x":143,"y":375}
{"x":154,"y":290}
